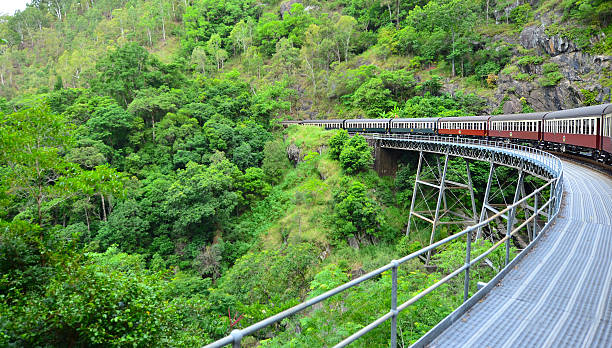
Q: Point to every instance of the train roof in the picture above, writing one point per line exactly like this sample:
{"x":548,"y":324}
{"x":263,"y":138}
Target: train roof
{"x":586,"y":111}
{"x":464,"y":118}
{"x":519,"y":117}
{"x":424,"y":119}
{"x":323,"y":121}
{"x":359,"y":120}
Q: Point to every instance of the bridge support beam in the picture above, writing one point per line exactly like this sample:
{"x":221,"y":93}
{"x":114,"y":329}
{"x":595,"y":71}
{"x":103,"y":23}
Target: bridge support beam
{"x":512,"y":213}
{"x":485,"y":201}
{"x":385,"y":160}
{"x":430,"y":179}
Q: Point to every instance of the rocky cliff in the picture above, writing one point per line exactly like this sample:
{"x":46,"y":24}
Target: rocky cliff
{"x":560,"y":75}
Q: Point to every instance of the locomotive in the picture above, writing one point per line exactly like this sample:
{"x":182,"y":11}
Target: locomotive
{"x":585,"y":131}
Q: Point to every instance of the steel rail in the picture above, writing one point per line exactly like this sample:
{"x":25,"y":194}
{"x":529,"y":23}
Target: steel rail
{"x":553,"y":203}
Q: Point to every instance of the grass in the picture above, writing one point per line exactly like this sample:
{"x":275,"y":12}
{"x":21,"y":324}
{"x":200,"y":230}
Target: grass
{"x":308,"y":138}
{"x":167,"y":51}
{"x":492,"y":29}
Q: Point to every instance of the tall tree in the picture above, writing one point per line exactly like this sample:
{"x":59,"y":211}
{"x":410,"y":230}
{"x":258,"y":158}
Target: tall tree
{"x":32,"y":141}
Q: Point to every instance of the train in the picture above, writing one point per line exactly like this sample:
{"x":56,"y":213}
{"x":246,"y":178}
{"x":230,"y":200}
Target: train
{"x":584,"y":131}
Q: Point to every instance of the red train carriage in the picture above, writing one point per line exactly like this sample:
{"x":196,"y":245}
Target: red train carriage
{"x":517,"y":126}
{"x":579,"y":128}
{"x":606,"y":131}
{"x":464,"y":125}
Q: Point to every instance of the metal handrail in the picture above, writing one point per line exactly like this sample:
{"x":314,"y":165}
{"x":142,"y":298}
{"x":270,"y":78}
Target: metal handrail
{"x":541,"y":158}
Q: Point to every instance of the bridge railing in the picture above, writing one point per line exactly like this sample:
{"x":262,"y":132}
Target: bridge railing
{"x":552,"y":205}
{"x":543,"y":158}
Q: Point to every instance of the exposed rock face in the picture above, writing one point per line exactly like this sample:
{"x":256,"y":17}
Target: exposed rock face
{"x":580,"y":70}
{"x":535,"y":37}
{"x":513,"y":106}
{"x":293,"y":152}
{"x":562,"y":96}
{"x":286,"y":6}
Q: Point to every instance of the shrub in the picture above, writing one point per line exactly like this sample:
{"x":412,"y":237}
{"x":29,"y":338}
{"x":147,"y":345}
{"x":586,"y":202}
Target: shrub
{"x":520,"y":14}
{"x":356,"y":155}
{"x":550,"y":79}
{"x":355,"y":213}
{"x":336,"y":143}
{"x":484,"y":70}
{"x":589,"y":97}
{"x":523,"y":77}
{"x":529,"y":60}
{"x":550,"y":67}
{"x":405,"y":246}
{"x":275,"y":161}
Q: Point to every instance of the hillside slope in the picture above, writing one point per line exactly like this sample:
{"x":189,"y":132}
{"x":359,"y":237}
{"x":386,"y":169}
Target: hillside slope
{"x":344,"y":57}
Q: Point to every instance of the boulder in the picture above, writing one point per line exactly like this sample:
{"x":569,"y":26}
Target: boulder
{"x":293,"y":153}
{"x":535,"y":37}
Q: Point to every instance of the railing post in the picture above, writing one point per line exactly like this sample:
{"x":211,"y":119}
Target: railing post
{"x":237,"y":338}
{"x":468,"y":250}
{"x":394,"y":303}
{"x":551,"y":199}
{"x":535,"y":219}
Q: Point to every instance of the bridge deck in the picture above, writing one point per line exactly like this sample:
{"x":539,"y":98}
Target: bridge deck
{"x":560,"y":294}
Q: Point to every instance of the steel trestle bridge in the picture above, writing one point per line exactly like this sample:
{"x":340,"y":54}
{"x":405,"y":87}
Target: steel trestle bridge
{"x":555,"y":292}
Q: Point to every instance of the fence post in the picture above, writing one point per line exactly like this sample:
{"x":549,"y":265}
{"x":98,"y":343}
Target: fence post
{"x":237,"y":336}
{"x":551,"y":199}
{"x":394,"y":303}
{"x":535,"y":219}
{"x":468,"y":250}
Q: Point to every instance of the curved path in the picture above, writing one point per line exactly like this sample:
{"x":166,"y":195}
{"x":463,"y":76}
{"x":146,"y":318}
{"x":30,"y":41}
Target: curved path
{"x":560,"y":294}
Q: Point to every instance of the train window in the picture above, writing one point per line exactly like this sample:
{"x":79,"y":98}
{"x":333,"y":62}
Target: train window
{"x":587,"y":126}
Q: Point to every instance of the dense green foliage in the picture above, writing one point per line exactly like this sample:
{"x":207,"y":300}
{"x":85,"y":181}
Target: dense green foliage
{"x":149,"y":197}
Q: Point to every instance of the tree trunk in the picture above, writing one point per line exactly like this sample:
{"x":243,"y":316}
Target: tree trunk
{"x":150,"y":40}
{"x":488,"y":10}
{"x":161,"y":7}
{"x":346,"y":48}
{"x":153,"y":126}
{"x":103,"y":207}
{"x":397,"y":14}
{"x":453,"y":53}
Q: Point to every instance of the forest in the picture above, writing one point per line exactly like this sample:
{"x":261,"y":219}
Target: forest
{"x":150,"y":197}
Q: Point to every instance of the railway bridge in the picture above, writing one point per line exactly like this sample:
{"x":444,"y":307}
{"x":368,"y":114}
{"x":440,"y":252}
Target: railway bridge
{"x":556,"y":292}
